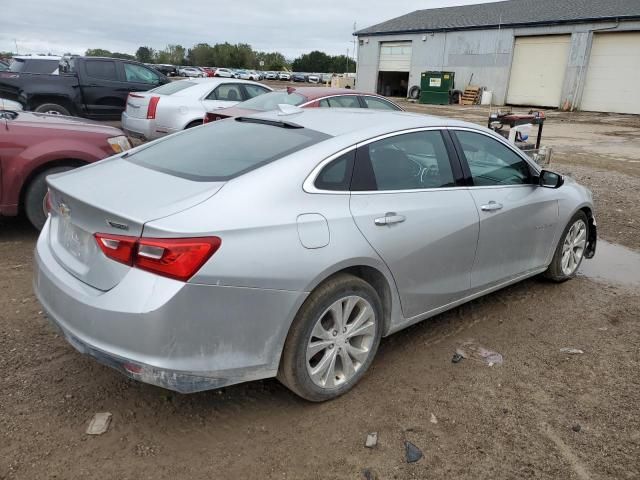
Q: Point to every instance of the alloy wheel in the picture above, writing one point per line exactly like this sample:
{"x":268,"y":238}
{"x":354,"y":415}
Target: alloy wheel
{"x":341,"y":341}
{"x":573,"y":247}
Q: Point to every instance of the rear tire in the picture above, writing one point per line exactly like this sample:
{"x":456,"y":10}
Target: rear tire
{"x":332,"y":340}
{"x":570,"y":250}
{"x":52,"y":109}
{"x":414,"y":92}
{"x":34,"y":207}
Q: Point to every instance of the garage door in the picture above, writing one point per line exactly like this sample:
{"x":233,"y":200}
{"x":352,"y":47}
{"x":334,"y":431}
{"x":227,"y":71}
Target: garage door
{"x":395,"y":57}
{"x":537,"y":70}
{"x":613,"y":74}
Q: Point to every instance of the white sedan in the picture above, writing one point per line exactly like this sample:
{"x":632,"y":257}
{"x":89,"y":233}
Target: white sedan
{"x":190,"y":72}
{"x":182,"y":104}
{"x":223,"y":72}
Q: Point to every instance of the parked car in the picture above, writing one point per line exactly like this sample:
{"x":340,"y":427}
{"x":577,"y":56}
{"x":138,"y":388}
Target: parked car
{"x":3,"y":66}
{"x":224,"y":72}
{"x":180,"y":105}
{"x":284,"y":76}
{"x":165,"y":69}
{"x":90,"y":87}
{"x":35,"y":64}
{"x":34,"y":145}
{"x":10,"y":106}
{"x":326,"y":77}
{"x":191,"y":72}
{"x":313,"y":78}
{"x":271,"y":76}
{"x":305,"y":97}
{"x":210,"y":72}
{"x":299,"y":77}
{"x":170,"y":275}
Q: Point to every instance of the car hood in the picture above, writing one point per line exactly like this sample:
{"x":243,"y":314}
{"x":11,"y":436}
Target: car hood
{"x":66,"y":123}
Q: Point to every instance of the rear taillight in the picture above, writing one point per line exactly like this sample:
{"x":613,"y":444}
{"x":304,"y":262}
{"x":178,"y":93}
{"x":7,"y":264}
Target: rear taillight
{"x":178,"y":258}
{"x":212,"y":117}
{"x":153,"y":106}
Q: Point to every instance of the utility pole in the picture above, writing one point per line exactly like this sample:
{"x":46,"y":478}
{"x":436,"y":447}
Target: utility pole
{"x":347,"y":66}
{"x":16,"y":42}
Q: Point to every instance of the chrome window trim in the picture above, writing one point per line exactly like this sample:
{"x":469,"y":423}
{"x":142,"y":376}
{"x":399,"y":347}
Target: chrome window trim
{"x":400,"y":109}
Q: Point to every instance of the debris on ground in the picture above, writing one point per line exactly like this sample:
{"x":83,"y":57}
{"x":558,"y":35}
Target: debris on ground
{"x":571,"y":351}
{"x":473,"y":351}
{"x":433,"y":419}
{"x":456,"y":358}
{"x":368,"y":474}
{"x":99,"y":423}
{"x":372,"y":440}
{"x":412,"y":453}
{"x":576,"y":428}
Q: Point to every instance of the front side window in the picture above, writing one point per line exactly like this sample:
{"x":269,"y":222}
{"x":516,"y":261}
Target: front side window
{"x":228,"y":92}
{"x":255,"y":90}
{"x":102,"y":69}
{"x":139,"y":74}
{"x":491,"y":162}
{"x":403,"y":162}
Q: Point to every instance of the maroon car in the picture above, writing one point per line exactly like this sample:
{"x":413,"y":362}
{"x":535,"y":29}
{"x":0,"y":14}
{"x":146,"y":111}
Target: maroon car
{"x":304,"y":97}
{"x":34,"y":145}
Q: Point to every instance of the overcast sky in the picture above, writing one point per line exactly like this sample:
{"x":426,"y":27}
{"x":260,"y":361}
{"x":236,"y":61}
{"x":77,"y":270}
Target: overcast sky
{"x":288,"y":26}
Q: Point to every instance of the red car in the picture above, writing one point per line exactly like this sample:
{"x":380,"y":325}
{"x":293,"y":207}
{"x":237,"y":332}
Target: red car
{"x":34,"y":145}
{"x":209,"y":71}
{"x":305,"y":97}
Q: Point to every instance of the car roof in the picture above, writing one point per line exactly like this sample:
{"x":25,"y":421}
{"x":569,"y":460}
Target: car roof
{"x":203,"y":85}
{"x":313,"y":93}
{"x":36,"y":57}
{"x":360,"y":121}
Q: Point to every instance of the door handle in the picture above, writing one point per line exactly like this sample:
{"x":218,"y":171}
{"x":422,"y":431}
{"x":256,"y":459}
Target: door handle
{"x":491,"y":206}
{"x":389,"y":219}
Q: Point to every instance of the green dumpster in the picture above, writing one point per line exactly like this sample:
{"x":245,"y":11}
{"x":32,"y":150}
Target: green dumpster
{"x":435,"y":87}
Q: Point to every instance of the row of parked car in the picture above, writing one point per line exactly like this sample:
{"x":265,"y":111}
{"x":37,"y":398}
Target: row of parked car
{"x":42,"y":108}
{"x":244,"y":74}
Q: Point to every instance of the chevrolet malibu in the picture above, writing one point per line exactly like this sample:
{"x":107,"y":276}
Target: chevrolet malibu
{"x":203,"y":259}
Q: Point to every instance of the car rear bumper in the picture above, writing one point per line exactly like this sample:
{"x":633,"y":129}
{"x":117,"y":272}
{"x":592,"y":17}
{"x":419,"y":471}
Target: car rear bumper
{"x":137,"y":127}
{"x":180,"y":336}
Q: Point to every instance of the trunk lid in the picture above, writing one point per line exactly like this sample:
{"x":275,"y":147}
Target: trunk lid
{"x":126,"y":197}
{"x":137,"y":104}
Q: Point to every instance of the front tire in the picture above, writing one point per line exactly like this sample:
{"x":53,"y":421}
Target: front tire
{"x":333,"y":339}
{"x":570,"y":250}
{"x":52,"y":109}
{"x":34,"y":197}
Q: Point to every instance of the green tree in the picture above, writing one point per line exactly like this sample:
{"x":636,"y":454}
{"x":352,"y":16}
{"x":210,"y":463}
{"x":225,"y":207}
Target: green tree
{"x":124,"y":56}
{"x":201,"y":54}
{"x":145,"y":54}
{"x":97,"y":52}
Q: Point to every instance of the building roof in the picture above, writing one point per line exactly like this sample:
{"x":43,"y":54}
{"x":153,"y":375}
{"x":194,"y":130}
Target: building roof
{"x":507,"y":14}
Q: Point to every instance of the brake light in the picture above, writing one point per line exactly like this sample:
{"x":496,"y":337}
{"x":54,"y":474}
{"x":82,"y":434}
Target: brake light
{"x":153,"y":106}
{"x":212,"y":117}
{"x":178,"y":258}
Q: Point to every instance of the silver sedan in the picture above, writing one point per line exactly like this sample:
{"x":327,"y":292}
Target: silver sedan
{"x":183,"y":104}
{"x":288,"y":243}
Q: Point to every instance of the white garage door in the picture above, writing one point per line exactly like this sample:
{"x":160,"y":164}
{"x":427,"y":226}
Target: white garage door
{"x":537,"y":70}
{"x":395,"y":57}
{"x":613,"y":74}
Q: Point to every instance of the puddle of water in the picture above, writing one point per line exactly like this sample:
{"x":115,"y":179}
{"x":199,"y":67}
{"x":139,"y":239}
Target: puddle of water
{"x":613,"y":264}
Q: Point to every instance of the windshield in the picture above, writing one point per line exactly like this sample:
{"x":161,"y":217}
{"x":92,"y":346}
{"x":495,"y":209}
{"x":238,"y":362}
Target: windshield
{"x":219,"y":151}
{"x":271,"y":100}
{"x":34,"y":65}
{"x":173,"y":87}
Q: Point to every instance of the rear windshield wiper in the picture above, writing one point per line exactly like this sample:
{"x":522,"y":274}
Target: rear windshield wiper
{"x":263,"y":121}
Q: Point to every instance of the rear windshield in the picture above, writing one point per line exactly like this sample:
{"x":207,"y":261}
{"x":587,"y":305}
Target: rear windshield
{"x":34,"y":65}
{"x":173,"y":87}
{"x":271,"y":100}
{"x":222,"y":150}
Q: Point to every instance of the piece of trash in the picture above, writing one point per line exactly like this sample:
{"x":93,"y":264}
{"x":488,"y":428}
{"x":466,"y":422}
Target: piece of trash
{"x":368,"y":474}
{"x":413,"y":453}
{"x":571,"y":351}
{"x":473,"y":351}
{"x":372,"y":440}
{"x":433,"y":419}
{"x":603,"y":329}
{"x":576,"y":427}
{"x":99,"y":423}
{"x":456,"y":358}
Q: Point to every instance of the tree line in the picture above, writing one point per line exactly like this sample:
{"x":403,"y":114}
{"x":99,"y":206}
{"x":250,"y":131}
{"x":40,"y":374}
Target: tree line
{"x":240,"y":55}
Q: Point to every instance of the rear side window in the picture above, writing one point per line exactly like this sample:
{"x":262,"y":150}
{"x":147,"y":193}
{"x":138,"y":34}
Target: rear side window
{"x":255,"y":90}
{"x":337,"y":175}
{"x":343,"y":101}
{"x":173,"y":87}
{"x":220,"y":151}
{"x":229,"y":92}
{"x":378,"y":104}
{"x":408,"y":161}
{"x":104,"y":70}
{"x":34,"y":65}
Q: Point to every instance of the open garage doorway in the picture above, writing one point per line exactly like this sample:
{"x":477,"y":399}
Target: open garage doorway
{"x":393,"y":84}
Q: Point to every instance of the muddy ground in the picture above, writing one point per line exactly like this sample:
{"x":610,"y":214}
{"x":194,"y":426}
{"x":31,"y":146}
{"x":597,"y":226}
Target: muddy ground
{"x":541,"y":414}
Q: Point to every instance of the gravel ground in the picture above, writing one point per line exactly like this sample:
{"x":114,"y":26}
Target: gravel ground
{"x":542,"y":414}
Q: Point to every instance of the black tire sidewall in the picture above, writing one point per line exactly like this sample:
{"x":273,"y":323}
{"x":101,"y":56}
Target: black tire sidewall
{"x":48,"y":107}
{"x":306,"y":320}
{"x":555,"y":268}
{"x":34,"y":196}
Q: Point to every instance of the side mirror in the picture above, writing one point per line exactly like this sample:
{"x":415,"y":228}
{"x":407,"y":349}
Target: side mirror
{"x":550,"y":179}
